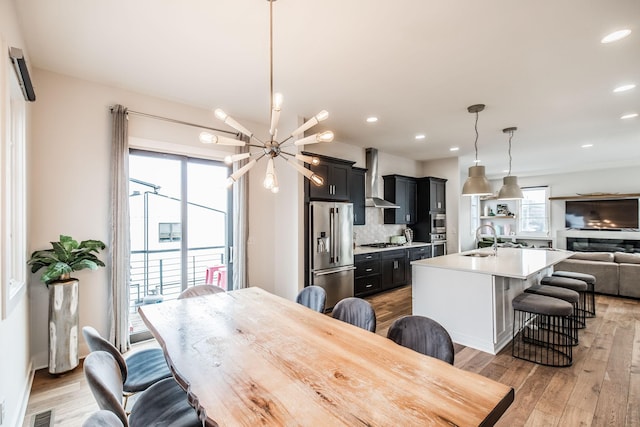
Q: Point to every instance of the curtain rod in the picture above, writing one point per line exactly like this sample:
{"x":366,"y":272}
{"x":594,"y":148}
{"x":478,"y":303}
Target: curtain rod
{"x":180,"y":122}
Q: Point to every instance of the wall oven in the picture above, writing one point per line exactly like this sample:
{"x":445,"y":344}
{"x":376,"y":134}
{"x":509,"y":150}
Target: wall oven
{"x":438,"y":223}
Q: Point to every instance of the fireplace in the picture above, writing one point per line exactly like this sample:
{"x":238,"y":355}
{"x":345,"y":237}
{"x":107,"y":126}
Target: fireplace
{"x":590,"y":244}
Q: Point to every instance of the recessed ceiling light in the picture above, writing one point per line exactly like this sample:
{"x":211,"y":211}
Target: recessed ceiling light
{"x":615,"y":36}
{"x":476,"y":161}
{"x":506,"y":170}
{"x":587,"y":145}
{"x":629,"y":116}
{"x":372,"y":119}
{"x":421,"y":136}
{"x":624,"y":88}
{"x":454,"y":148}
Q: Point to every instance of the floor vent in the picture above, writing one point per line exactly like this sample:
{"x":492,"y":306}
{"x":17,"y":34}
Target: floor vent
{"x":43,"y":419}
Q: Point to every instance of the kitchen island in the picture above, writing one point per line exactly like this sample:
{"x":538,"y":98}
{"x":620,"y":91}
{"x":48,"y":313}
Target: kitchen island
{"x":470,"y":293}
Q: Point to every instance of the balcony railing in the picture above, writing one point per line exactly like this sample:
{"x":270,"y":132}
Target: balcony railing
{"x":156,"y":275}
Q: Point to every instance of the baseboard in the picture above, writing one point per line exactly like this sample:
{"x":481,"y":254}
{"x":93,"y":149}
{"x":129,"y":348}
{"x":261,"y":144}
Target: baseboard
{"x":26,"y":393}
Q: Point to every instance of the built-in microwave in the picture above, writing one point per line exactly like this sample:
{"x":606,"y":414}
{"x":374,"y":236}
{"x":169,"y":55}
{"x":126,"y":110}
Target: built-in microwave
{"x":438,"y":223}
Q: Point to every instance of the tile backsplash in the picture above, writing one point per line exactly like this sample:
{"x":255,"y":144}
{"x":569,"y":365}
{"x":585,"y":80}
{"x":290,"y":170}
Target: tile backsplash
{"x":375,"y":230}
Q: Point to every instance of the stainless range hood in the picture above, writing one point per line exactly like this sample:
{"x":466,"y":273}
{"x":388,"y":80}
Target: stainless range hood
{"x":371,"y":188}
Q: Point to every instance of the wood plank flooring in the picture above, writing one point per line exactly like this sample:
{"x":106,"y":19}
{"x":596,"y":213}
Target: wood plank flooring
{"x":602,"y":388}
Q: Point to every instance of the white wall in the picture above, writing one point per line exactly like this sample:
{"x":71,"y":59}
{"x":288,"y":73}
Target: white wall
{"x":448,"y":169}
{"x":71,"y":148}
{"x":14,"y":326}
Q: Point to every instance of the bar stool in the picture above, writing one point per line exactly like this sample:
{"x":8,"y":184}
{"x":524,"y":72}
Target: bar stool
{"x":590,"y":280}
{"x":572,"y":297}
{"x":543,"y":334}
{"x":579,"y":286}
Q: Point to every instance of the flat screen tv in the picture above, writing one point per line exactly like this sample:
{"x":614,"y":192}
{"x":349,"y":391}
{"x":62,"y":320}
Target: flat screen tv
{"x":617,"y":214}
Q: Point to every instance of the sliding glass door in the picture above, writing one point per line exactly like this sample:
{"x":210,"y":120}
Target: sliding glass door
{"x":180,"y":213}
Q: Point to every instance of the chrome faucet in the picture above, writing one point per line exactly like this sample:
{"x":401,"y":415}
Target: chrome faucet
{"x":495,"y":237}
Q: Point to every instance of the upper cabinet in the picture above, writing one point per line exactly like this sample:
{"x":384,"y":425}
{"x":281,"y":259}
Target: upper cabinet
{"x":401,"y":190}
{"x":357,"y":195}
{"x":337,"y":179}
{"x":437,"y":196}
{"x":431,"y":197}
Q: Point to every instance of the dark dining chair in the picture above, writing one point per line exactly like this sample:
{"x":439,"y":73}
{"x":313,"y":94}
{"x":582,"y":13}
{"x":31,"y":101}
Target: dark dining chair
{"x":164,"y":403}
{"x":313,"y":297}
{"x":423,"y":335}
{"x":198,"y":290}
{"x":138,"y":371}
{"x":103,"y":418}
{"x":357,"y":312}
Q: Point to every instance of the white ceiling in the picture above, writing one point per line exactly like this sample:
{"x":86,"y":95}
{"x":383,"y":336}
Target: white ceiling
{"x":416,"y":64}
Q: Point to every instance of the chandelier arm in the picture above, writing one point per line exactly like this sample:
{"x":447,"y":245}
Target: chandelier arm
{"x":256,"y":146}
{"x":259,"y":140}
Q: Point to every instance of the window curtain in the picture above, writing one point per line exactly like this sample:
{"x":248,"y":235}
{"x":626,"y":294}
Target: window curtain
{"x":119,"y":248}
{"x":240,"y":223}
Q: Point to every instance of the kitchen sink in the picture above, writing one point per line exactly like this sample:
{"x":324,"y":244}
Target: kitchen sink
{"x":477,"y":254}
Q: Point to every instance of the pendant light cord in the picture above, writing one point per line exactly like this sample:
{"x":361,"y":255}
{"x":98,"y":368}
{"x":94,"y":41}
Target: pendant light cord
{"x":476,"y":142}
{"x":510,"y":136}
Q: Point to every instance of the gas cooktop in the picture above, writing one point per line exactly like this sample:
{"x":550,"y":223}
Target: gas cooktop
{"x":381,"y":245}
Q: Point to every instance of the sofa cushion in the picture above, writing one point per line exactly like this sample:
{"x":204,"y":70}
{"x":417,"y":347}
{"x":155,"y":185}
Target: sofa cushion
{"x":629,"y":280}
{"x":606,"y":273}
{"x":625,"y":258}
{"x":594,"y":256}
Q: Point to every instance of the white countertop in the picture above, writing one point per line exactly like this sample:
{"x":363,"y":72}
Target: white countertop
{"x":510,"y":262}
{"x":367,"y":250}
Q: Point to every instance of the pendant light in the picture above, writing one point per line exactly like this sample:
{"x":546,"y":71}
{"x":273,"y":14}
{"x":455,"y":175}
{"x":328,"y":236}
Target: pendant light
{"x":510,"y":189}
{"x":477,"y":184}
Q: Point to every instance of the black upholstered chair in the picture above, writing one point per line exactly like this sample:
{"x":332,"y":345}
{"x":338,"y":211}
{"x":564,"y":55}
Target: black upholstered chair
{"x":138,"y":371}
{"x":103,"y":418}
{"x":196,"y":291}
{"x":313,"y":297}
{"x":423,"y":335}
{"x":164,"y":403}
{"x":357,"y":312}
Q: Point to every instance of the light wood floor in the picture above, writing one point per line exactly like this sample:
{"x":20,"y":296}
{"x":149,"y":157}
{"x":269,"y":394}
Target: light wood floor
{"x":602,"y":388}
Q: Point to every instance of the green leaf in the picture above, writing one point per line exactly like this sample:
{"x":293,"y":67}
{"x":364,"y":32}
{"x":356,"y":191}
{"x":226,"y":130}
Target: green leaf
{"x":66,"y":256}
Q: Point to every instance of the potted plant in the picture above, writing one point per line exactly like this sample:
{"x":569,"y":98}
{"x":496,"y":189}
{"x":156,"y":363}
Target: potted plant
{"x":66,"y":256}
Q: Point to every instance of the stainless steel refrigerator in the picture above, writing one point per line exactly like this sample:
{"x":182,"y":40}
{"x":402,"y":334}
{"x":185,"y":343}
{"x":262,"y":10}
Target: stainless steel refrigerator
{"x":331,"y":249}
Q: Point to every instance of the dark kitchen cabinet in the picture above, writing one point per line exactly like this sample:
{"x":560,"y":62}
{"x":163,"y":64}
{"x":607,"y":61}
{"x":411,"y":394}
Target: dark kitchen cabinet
{"x":401,"y":190}
{"x":431,"y":198}
{"x":337,"y":179}
{"x":357,"y":195}
{"x":367,"y":274}
{"x":437,"y":196}
{"x":393,"y":266}
{"x":415,"y":254}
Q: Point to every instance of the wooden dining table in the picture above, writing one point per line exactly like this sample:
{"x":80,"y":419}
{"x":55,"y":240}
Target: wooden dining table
{"x":248,"y":357}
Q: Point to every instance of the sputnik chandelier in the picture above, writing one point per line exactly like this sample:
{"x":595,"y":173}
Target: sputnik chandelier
{"x":271,"y":148}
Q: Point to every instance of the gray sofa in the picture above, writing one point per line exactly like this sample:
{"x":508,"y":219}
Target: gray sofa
{"x":617,"y":273}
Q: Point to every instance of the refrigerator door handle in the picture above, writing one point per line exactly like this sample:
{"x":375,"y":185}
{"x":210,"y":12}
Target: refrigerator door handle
{"x":332,"y":237}
{"x":338,"y":236}
{"x":334,"y":270}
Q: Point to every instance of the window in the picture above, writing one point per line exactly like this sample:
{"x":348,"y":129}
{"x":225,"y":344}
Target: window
{"x":169,"y":232}
{"x":534,"y":212}
{"x":181,"y":225}
{"x":13,"y":263}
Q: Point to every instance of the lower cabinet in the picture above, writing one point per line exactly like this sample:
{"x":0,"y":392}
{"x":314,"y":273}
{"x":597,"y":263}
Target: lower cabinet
{"x":367,"y":274}
{"x":379,"y":271}
{"x":394,"y":268}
